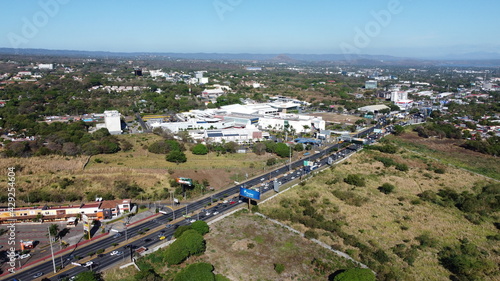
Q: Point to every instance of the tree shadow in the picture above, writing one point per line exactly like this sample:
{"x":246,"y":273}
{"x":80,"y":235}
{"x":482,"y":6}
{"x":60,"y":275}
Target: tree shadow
{"x":333,"y":275}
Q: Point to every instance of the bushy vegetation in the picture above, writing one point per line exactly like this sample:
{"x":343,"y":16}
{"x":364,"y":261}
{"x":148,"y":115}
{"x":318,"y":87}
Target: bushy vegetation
{"x":466,"y":262}
{"x":386,"y":188}
{"x":279,"y":268}
{"x":356,"y":180}
{"x":355,"y":274}
{"x":438,"y":129}
{"x":490,"y":146}
{"x":196,"y":271}
{"x":189,"y":243}
{"x":176,"y":156}
{"x":199,"y":149}
{"x":386,"y":148}
{"x":64,"y":139}
{"x":482,"y":203}
{"x":349,"y":197}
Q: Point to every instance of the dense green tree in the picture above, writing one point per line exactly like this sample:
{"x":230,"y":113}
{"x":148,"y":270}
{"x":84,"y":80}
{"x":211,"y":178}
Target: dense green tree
{"x":283,"y":150}
{"x":176,"y":156}
{"x":200,"y":226}
{"x":200,"y":149}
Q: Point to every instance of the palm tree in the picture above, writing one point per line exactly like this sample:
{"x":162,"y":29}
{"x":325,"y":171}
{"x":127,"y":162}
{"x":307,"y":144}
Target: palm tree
{"x":54,"y":231}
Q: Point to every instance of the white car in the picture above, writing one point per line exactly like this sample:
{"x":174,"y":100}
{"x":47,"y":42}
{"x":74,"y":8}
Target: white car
{"x":25,"y":256}
{"x":216,"y":213}
{"x":89,"y":263}
{"x":208,"y":214}
{"x":225,"y":202}
{"x":191,"y":221}
{"x":116,"y":253}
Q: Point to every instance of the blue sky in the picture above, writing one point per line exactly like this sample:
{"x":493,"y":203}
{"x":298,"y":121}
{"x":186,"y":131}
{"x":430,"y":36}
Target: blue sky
{"x":415,"y":28}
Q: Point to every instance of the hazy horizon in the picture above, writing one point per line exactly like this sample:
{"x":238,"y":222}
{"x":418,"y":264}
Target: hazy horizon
{"x":402,"y":28}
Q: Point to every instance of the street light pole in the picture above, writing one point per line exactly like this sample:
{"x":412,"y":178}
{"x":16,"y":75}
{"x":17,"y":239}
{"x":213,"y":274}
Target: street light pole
{"x":52,"y":250}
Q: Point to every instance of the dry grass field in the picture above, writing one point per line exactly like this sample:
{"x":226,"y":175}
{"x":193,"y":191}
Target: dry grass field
{"x":383,"y":221}
{"x":151,"y":172}
{"x":246,"y":247}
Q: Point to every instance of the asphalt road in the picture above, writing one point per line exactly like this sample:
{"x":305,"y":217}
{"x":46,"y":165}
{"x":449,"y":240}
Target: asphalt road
{"x":150,"y":238}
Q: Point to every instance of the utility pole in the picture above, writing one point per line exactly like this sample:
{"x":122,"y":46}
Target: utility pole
{"x":52,"y":250}
{"x":126,"y":237}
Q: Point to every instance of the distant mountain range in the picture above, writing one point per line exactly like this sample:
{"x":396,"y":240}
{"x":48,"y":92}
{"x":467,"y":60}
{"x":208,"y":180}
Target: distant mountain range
{"x":470,"y":59}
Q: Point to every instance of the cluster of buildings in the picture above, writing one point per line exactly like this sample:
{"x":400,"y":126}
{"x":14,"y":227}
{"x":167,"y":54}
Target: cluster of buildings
{"x":243,"y":123}
{"x":118,"y":89}
{"x":99,"y":210}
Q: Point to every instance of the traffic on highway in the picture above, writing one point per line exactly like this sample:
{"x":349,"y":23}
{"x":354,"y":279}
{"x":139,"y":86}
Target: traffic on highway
{"x":144,"y":234}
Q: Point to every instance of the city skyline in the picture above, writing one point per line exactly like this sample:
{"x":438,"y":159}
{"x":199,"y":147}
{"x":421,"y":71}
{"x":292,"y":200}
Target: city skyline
{"x":405,"y":28}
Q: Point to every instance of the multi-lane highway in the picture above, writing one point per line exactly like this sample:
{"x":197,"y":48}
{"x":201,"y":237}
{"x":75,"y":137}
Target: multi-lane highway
{"x":150,"y":237}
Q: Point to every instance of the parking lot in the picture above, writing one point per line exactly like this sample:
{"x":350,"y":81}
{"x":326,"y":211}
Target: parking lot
{"x":39,"y":233}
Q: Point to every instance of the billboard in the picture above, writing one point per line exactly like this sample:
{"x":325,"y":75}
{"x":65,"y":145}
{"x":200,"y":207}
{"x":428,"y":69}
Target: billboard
{"x":184,"y":181}
{"x":252,"y":194}
{"x":86,"y":223}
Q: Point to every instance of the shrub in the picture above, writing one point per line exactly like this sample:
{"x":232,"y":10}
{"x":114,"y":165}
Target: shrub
{"x":439,"y":170}
{"x":386,"y":188}
{"x":402,"y":167}
{"x":381,"y":256}
{"x":196,"y":271}
{"x":426,"y":240}
{"x":311,"y":234}
{"x":354,"y":179}
{"x":271,"y":161}
{"x":349,"y":197}
{"x":279,"y":268}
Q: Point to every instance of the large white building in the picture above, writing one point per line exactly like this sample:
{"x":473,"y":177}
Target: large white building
{"x":113,"y":122}
{"x":48,"y":66}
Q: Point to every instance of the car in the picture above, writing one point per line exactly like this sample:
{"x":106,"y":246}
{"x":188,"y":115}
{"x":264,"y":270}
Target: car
{"x":38,"y":274}
{"x":162,"y":238}
{"x":116,"y":253}
{"x":232,"y":202}
{"x":208,"y":214}
{"x":89,"y":263}
{"x":25,"y":256}
{"x":147,"y":240}
{"x":117,"y":235}
{"x":216,"y":213}
{"x":168,"y":226}
{"x":225,"y":201}
{"x":162,"y":233}
{"x":191,"y":221}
